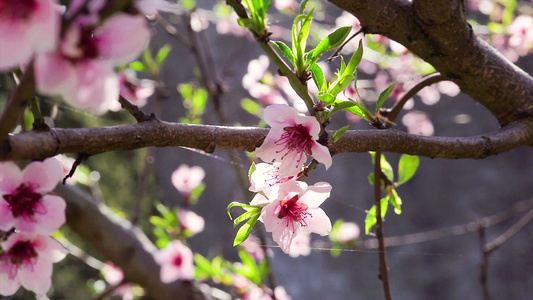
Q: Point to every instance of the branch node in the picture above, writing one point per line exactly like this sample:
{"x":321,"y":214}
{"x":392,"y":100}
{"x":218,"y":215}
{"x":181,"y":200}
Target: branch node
{"x":134,"y":110}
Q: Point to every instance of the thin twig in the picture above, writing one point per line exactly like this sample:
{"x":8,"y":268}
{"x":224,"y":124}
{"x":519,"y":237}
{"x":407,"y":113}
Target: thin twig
{"x":17,"y":103}
{"x":341,"y":47}
{"x":426,"y":81}
{"x":484,"y":266}
{"x":500,"y":240}
{"x":383,"y":268}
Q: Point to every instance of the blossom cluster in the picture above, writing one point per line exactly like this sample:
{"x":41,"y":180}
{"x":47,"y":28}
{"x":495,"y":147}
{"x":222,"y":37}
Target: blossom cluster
{"x":29,"y":213}
{"x":77,"y":62}
{"x":290,"y":207}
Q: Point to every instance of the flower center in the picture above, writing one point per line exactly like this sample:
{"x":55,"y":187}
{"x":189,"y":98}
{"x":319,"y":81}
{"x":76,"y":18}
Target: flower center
{"x":178,"y":260}
{"x":80,"y":45}
{"x":24,"y":201}
{"x":292,"y":211}
{"x":22,"y":252}
{"x":296,"y":138}
{"x":17,"y":9}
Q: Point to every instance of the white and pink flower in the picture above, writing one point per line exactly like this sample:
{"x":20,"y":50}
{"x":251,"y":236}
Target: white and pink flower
{"x":294,"y":209}
{"x":114,"y":276}
{"x":265,"y":176}
{"x":291,"y":140}
{"x":176,"y":261}
{"x":134,"y":90}
{"x":82,"y":69}
{"x":24,"y":200}
{"x":185,"y":179}
{"x":191,"y":221}
{"x":27,"y":27}
{"x":27,"y":260}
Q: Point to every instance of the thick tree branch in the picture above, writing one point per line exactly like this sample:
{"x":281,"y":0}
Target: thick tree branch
{"x":126,"y":246}
{"x":437,"y":31}
{"x":90,"y":141}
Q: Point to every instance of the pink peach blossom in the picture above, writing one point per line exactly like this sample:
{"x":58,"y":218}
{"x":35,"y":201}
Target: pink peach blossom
{"x":27,"y":260}
{"x":418,"y":123}
{"x":176,"y":262}
{"x":82,"y":69}
{"x":24,"y":200}
{"x":185,"y":179}
{"x":295,"y":210}
{"x":26,"y":27}
{"x":300,"y":245}
{"x":348,"y":232}
{"x":191,"y":221}
{"x":253,"y":247}
{"x":291,"y":140}
{"x":114,"y":276}
{"x":134,"y":90}
{"x":265,"y":176}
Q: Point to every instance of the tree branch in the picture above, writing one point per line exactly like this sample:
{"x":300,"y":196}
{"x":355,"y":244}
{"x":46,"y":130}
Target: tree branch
{"x":437,"y":31}
{"x":91,"y":141}
{"x":126,"y":246}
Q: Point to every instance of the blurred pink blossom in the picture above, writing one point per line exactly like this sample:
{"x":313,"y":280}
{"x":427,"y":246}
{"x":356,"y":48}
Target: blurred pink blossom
{"x":82,"y":69}
{"x":291,"y":140}
{"x":26,"y":27}
{"x":418,"y":123}
{"x":134,"y":90}
{"x":285,"y":4}
{"x":25,"y":202}
{"x":176,"y":261}
{"x":27,"y":260}
{"x":300,"y":245}
{"x":191,"y":221}
{"x":295,"y":210}
{"x":521,"y":31}
{"x":253,"y":247}
{"x":347,"y":232}
{"x":114,"y":276}
{"x":281,"y":293}
{"x":185,"y":179}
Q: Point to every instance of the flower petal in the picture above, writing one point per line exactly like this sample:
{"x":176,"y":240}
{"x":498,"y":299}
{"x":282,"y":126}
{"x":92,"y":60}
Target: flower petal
{"x":283,"y":236}
{"x":6,"y":216}
{"x":316,"y":194}
{"x":8,"y":286}
{"x":48,"y":222}
{"x":37,"y":278}
{"x":280,"y":115}
{"x":43,"y":176}
{"x":10,"y":177}
{"x":318,"y":222}
{"x":321,"y":154}
{"x":122,"y":38}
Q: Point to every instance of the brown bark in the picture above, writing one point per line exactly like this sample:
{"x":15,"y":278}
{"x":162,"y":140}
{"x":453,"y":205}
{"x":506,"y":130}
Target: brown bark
{"x":437,"y":31}
{"x":42,"y":144}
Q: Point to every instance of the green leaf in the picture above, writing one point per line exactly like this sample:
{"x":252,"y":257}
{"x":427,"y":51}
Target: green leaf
{"x":396,"y":201}
{"x":303,"y":5}
{"x":251,"y":271}
{"x":318,"y":77}
{"x":371,"y":178}
{"x":199,"y":100}
{"x":196,"y":193}
{"x":330,"y":42}
{"x":355,"y":60}
{"x":245,"y":230}
{"x":341,"y":84}
{"x":251,"y":106}
{"x":246,"y":207}
{"x":371,"y":219}
{"x":386,"y":168}
{"x":238,"y":7}
{"x":251,"y":170}
{"x":203,"y":267}
{"x":159,"y":222}
{"x":339,"y":133}
{"x":168,"y":215}
{"x":246,"y":216}
{"x":383,"y":96}
{"x":407,"y":167}
{"x":162,"y":54}
{"x":341,"y":104}
{"x":359,"y":110}
{"x":325,"y":96}
{"x":137,"y":66}
{"x":285,"y":50}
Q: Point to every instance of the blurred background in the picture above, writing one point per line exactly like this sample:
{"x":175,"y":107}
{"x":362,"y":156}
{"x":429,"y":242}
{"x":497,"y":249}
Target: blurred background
{"x":442,"y":194}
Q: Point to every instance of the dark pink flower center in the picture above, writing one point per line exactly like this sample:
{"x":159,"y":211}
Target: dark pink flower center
{"x":296,"y":138}
{"x":22,"y":252}
{"x":24,"y":201}
{"x":17,"y":9}
{"x":293,"y":211}
{"x":178,"y":260}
